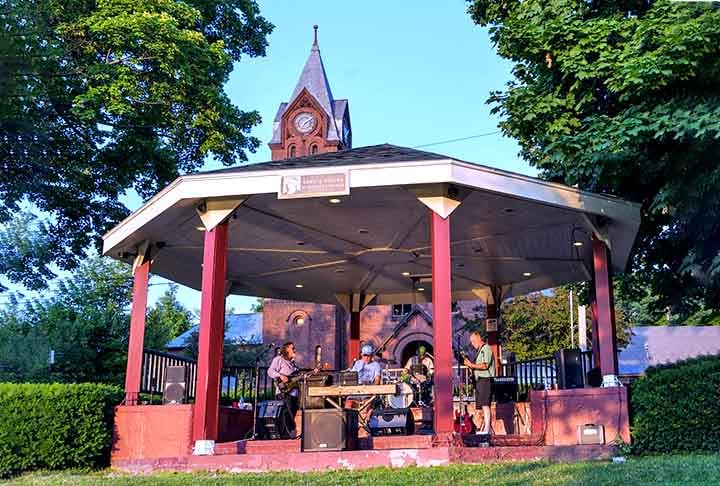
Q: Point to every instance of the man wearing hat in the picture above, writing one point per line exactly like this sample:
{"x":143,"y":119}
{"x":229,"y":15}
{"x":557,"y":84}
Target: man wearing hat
{"x":368,"y":370}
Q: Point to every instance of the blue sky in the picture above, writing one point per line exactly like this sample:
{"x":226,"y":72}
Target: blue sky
{"x":414,"y":72}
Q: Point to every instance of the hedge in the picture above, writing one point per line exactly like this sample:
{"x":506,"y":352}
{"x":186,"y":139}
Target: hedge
{"x":676,"y":408}
{"x":55,"y":426}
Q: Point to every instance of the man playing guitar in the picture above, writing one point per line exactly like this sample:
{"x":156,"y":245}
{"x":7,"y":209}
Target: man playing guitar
{"x":287,"y":377}
{"x":281,"y":370}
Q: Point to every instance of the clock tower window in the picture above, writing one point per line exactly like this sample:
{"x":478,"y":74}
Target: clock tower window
{"x":291,"y":151}
{"x":313,"y":149}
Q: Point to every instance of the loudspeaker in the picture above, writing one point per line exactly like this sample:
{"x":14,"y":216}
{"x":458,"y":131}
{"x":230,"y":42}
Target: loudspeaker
{"x":271,"y":418}
{"x":329,"y":429}
{"x":568,"y":364}
{"x":392,"y":421}
{"x":505,"y":389}
{"x":174,"y":388}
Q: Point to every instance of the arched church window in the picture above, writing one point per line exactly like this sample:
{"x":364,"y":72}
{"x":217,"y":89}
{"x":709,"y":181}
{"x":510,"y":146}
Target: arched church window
{"x":313,"y":149}
{"x":291,"y":151}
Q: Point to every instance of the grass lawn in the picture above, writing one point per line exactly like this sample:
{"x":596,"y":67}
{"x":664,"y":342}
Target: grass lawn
{"x":695,"y":469}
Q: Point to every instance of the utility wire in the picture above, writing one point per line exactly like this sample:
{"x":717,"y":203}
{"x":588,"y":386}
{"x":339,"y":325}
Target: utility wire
{"x":457,"y":139}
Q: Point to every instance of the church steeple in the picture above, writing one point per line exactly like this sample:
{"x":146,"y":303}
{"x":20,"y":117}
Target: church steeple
{"x":312,"y":121}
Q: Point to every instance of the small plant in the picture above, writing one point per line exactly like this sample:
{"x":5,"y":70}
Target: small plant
{"x":621,"y":448}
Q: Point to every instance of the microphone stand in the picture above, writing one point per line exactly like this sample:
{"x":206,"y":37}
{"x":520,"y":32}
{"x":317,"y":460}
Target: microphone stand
{"x":257,"y":389}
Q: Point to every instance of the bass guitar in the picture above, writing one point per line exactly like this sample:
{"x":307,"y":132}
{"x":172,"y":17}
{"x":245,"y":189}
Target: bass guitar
{"x":294,"y":381}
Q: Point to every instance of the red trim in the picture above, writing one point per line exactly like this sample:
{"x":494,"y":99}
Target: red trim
{"x":442,"y":322}
{"x":212,"y":329}
{"x":606,"y":339}
{"x":137,"y":333}
{"x":354,"y":341}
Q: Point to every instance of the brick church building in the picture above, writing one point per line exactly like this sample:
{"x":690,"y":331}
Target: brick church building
{"x":311,"y":122}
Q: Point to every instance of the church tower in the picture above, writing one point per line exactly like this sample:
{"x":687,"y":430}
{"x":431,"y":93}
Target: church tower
{"x":312,"y":122}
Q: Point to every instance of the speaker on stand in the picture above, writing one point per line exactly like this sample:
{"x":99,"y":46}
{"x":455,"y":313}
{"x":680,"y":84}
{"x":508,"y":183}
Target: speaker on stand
{"x":174,"y":388}
{"x":568,"y":365}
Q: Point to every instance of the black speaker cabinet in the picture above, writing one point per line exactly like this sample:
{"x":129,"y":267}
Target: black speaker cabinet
{"x":317,"y":380}
{"x":272,"y":420}
{"x":568,"y":363}
{"x":392,"y":421}
{"x":174,"y":388}
{"x":329,"y":429}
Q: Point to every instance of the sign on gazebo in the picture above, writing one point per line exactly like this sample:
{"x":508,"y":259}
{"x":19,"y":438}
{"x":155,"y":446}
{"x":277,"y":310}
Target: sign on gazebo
{"x":313,"y":185}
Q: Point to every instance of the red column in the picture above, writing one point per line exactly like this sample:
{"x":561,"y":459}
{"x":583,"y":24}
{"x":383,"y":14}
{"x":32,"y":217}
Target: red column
{"x":606,"y":340}
{"x":594,"y":328}
{"x":493,"y":338}
{"x":354,"y":341}
{"x":137,"y":333}
{"x":212,"y":329}
{"x":442,"y":322}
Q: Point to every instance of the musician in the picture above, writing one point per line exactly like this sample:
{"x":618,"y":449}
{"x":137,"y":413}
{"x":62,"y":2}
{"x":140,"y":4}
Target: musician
{"x":421,"y":358}
{"x":281,"y":369}
{"x":484,"y":371}
{"x":367,"y":368}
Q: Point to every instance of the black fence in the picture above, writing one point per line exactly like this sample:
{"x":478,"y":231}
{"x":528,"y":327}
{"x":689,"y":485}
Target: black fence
{"x":236,"y":383}
{"x":542,"y":373}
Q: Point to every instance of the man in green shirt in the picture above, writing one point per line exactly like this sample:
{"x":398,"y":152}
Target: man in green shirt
{"x":484,"y":371}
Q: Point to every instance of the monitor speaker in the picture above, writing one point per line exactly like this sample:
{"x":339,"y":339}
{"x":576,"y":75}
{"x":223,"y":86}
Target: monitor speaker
{"x":273,"y":420}
{"x":568,"y":364}
{"x":392,"y":421}
{"x":174,"y":389}
{"x":329,"y":429}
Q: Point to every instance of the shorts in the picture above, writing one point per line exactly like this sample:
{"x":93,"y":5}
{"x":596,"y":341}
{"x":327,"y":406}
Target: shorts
{"x":483,"y":387}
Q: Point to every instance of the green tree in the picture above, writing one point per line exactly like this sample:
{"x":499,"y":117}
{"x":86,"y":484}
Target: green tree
{"x":623,"y":98}
{"x":166,"y":320}
{"x":26,"y":251}
{"x":85,"y":320}
{"x":104,"y":96}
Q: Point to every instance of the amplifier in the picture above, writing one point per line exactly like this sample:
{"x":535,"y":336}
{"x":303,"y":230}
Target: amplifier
{"x":505,"y":389}
{"x":590,"y":434}
{"x":392,"y":421}
{"x":345,"y":378}
{"x":329,"y":429}
{"x":316,"y":380}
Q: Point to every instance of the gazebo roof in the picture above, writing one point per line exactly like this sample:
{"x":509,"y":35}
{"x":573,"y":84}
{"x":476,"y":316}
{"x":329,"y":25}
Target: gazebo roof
{"x":291,"y":238}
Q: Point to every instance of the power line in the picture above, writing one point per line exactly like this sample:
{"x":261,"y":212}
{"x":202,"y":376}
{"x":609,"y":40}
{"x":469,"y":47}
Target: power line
{"x":458,"y":139}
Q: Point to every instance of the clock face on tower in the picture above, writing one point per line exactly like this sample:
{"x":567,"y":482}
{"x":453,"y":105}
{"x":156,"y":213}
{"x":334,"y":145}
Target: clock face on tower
{"x":305,"y":122}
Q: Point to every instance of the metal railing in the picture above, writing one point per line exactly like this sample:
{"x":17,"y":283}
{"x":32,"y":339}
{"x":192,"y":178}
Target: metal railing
{"x":236,"y":382}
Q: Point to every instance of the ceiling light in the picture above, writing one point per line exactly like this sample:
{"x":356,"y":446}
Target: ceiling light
{"x":295,"y":260}
{"x":335,"y":201}
{"x":578,"y":243}
{"x":300,"y":243}
{"x":527,"y":274}
{"x":340,"y":270}
{"x":363,"y":231}
{"x":200,"y":228}
{"x":421,"y":289}
{"x":460,"y":265}
{"x":299,"y":286}
{"x":406,"y":274}
{"x":509,"y":210}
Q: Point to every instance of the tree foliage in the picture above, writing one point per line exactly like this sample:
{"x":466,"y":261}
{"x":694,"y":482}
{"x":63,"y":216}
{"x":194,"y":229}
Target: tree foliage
{"x":538,"y":324}
{"x":86,"y":322}
{"x":104,"y":96}
{"x":623,"y":98}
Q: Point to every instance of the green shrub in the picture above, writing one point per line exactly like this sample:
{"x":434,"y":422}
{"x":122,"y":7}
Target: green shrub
{"x":55,"y":426}
{"x":676,"y":408}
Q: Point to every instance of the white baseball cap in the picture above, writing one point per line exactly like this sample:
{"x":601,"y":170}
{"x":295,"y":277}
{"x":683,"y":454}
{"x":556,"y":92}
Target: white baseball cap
{"x":366,"y":350}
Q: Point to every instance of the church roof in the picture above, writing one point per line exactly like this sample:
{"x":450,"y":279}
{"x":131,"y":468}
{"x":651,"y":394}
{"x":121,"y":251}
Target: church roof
{"x":313,"y":78}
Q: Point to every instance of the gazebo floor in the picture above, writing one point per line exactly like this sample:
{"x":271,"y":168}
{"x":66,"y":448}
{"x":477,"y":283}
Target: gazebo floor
{"x":392,"y":451}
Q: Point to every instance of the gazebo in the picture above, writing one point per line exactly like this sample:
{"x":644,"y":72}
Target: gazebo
{"x":380,"y":224}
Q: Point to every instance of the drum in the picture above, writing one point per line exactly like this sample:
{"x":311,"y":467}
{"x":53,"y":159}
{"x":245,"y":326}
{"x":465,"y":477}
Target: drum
{"x":402,"y":399}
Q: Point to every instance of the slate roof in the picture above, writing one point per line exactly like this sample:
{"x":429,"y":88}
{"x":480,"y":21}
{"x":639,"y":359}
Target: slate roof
{"x":241,"y":328}
{"x":655,"y":345}
{"x":362,"y":155}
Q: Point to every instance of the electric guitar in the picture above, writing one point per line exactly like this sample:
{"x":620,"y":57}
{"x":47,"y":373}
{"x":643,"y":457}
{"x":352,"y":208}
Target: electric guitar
{"x":463,"y":423}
